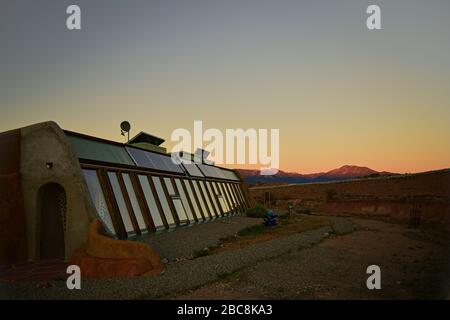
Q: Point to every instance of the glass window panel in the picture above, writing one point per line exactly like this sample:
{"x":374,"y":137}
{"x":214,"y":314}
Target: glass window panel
{"x":194,"y":203}
{"x":236,"y":196}
{"x":200,"y":199}
{"x":169,"y":186}
{"x":163,"y":201}
{"x":184,"y":199}
{"x":134,"y":202}
{"x":213,"y":196}
{"x":180,"y":210}
{"x":95,"y":190}
{"x":208,"y":202}
{"x":151,"y":203}
{"x":231,"y":194}
{"x":121,"y":203}
{"x":240,"y":193}
{"x":216,"y":189}
{"x":221,"y":195}
{"x":223,"y":204}
{"x":225,"y":195}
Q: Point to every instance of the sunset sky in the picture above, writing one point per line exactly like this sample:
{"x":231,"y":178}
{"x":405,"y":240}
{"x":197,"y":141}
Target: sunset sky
{"x":339,"y":93}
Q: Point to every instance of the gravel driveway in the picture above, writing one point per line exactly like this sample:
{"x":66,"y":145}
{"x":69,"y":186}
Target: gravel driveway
{"x":183,"y":275}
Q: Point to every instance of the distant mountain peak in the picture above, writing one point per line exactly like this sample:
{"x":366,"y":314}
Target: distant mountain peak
{"x":351,"y":171}
{"x":343,"y":173}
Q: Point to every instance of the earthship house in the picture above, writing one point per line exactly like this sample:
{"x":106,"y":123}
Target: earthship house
{"x":54,"y":183}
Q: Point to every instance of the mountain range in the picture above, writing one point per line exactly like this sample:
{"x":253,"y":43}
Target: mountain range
{"x":343,"y":173}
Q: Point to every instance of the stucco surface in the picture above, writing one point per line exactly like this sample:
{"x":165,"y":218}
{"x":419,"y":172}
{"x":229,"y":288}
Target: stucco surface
{"x":45,"y":143}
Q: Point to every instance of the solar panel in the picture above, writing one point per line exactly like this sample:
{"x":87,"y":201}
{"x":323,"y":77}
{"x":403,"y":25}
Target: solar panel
{"x":152,"y":160}
{"x":193,"y":170}
{"x":216,"y":172}
{"x":99,"y":151}
{"x":230,"y":175}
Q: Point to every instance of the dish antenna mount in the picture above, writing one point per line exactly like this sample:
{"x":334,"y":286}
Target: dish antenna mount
{"x":125,"y":128}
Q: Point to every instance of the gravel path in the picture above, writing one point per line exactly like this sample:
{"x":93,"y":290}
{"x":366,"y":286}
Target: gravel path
{"x":180,"y":276}
{"x":182,"y":243}
{"x":415,"y":264}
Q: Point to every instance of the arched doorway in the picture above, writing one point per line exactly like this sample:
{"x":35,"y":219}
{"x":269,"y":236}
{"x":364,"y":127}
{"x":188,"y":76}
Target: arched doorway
{"x":52,"y":221}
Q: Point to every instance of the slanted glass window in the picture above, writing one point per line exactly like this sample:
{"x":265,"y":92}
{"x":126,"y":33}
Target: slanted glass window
{"x":134,"y":203}
{"x":227,"y":196}
{"x":151,"y":202}
{"x":181,"y":213}
{"x":200,"y":199}
{"x":213,"y":196}
{"x":121,"y":203}
{"x":236,"y":196}
{"x":208,"y":201}
{"x":220,"y":197}
{"x":194,"y":203}
{"x":184,"y":199}
{"x":232,"y":194}
{"x":179,"y":208}
{"x":169,"y":186}
{"x":95,"y":190}
{"x":240,"y":193}
{"x":163,"y":201}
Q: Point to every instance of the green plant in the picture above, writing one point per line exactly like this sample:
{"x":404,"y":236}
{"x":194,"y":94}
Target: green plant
{"x":200,"y":253}
{"x":252,"y":230}
{"x":258,"y":211}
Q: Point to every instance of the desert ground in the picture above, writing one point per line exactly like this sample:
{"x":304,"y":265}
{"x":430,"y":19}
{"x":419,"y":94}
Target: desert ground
{"x":414,"y":265}
{"x":307,"y":256}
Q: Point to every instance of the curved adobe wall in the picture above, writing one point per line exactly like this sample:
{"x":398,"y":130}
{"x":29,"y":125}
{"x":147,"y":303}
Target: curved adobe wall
{"x":45,"y":143}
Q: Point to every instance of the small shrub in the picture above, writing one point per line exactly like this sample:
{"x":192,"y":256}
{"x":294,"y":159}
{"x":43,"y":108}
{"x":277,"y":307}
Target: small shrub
{"x":257,"y":211}
{"x":252,"y":230}
{"x":200,"y":253}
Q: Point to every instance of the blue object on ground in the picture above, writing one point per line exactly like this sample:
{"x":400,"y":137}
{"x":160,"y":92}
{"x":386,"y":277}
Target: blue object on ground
{"x":270,"y":219}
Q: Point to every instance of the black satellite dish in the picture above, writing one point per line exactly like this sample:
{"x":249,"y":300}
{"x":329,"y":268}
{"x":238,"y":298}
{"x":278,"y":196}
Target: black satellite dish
{"x":125,"y":127}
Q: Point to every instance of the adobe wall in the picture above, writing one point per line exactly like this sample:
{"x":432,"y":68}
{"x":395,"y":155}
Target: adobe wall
{"x":13,"y":244}
{"x":392,"y":197}
{"x":46,"y":143}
